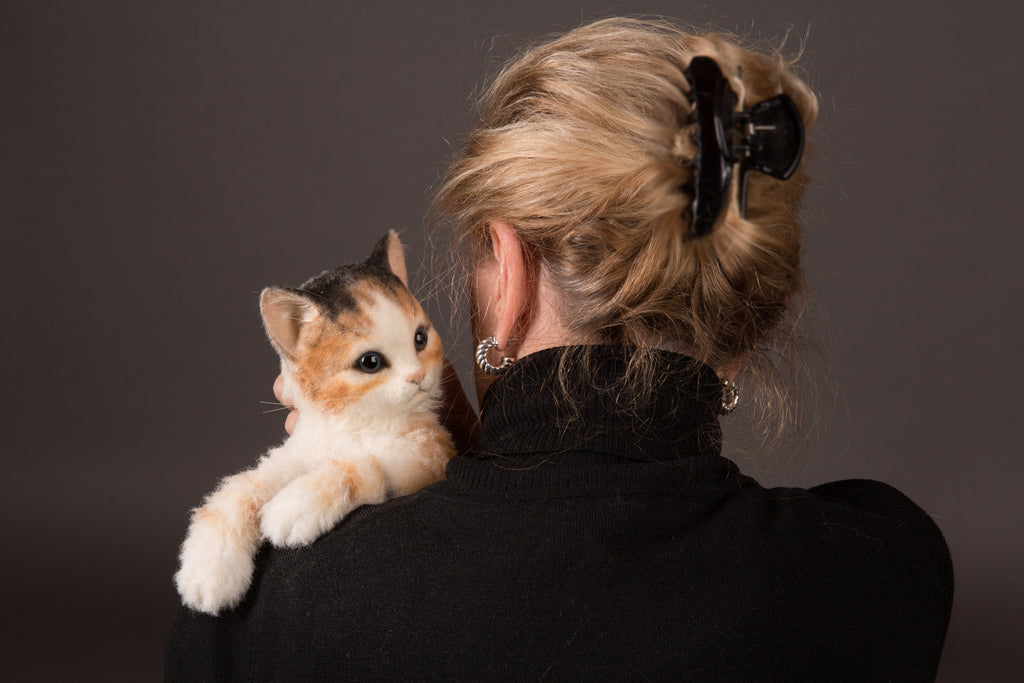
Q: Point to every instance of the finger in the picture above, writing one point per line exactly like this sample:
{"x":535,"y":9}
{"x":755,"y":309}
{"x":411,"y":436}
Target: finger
{"x":279,"y":388}
{"x":291,"y":421}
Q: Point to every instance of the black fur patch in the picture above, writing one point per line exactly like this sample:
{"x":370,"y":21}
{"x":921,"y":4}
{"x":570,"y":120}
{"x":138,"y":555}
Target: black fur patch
{"x":331,"y":290}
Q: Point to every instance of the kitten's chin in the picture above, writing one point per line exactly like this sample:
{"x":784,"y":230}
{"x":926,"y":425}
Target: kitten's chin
{"x":422,"y":395}
{"x":430,"y":397}
{"x":413,"y":397}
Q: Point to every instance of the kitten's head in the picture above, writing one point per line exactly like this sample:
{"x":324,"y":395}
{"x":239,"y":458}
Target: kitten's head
{"x":355,"y":336}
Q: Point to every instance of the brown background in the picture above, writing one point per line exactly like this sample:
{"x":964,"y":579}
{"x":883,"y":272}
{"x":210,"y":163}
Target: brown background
{"x":161,"y":162}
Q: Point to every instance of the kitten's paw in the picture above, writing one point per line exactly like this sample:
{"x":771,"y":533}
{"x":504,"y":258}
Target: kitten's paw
{"x":215,"y":573}
{"x":292,"y":519}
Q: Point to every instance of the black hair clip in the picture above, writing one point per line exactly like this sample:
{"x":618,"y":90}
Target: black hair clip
{"x":768,"y":137}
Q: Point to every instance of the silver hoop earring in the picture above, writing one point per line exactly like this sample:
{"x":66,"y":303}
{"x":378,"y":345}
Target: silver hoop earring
{"x":485,"y":365}
{"x":730,"y":397}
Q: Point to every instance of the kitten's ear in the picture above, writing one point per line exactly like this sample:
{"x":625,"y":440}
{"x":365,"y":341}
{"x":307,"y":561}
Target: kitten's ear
{"x":388,"y":253}
{"x":284,"y":313}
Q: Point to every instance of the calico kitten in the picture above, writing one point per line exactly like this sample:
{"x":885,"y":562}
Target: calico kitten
{"x":362,"y":364}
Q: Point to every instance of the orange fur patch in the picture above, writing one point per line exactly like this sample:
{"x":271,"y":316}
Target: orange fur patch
{"x":341,"y":480}
{"x":216,"y":521}
{"x":434,"y":448}
{"x":409,"y":303}
{"x":244,"y":493}
{"x":324,"y":354}
{"x":328,"y":348}
{"x":434,"y":353}
{"x":205,"y":515}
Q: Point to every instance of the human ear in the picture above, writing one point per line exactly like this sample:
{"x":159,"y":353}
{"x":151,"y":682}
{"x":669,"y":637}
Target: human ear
{"x":511,"y":281}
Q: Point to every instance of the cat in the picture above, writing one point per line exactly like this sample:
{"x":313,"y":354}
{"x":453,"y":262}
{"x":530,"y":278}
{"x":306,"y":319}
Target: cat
{"x":362,"y":364}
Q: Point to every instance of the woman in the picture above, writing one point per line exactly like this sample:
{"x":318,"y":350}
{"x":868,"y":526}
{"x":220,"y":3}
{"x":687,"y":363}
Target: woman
{"x":627,"y":201}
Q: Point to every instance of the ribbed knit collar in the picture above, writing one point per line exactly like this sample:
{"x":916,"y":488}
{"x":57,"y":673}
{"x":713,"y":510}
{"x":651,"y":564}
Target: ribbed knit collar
{"x":557,"y":425}
{"x":554,"y":425}
{"x":573,"y":399}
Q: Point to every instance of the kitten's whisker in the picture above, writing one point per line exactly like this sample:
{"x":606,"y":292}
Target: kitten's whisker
{"x":282,"y":406}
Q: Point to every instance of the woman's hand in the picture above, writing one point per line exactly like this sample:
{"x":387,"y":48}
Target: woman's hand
{"x":293,"y":415}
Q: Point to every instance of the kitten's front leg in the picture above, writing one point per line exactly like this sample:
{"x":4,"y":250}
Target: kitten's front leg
{"x":217,"y":555}
{"x":316,"y":501}
{"x":422,"y":462}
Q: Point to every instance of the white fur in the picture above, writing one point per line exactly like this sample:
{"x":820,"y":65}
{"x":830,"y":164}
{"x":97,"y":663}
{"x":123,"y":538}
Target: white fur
{"x":377,"y":438}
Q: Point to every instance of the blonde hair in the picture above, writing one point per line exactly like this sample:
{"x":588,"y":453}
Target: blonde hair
{"x":584,"y":144}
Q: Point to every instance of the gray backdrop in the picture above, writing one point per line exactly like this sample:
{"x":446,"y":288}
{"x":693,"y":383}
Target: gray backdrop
{"x":161,"y":162}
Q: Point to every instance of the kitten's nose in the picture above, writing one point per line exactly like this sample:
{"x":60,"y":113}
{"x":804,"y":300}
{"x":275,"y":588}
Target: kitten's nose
{"x":416,"y":377}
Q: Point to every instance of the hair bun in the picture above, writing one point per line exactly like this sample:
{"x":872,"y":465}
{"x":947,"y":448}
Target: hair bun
{"x":587,"y":145}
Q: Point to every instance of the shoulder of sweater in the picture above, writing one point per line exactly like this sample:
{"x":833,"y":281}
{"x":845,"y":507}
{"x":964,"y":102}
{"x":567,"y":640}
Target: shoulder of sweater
{"x":365,"y":532}
{"x":881,"y":501}
{"x":908,"y":529}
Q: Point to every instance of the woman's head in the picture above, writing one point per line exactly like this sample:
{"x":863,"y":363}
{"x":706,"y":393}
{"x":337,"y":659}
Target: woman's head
{"x":584,"y":146}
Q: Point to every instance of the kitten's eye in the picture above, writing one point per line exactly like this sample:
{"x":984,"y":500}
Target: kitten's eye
{"x":420,"y":339}
{"x":371,"y":361}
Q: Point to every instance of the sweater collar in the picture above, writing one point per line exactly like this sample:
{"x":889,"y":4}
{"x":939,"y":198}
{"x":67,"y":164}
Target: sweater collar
{"x":563,"y":401}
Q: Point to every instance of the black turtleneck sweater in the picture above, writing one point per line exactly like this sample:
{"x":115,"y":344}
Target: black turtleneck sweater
{"x":590,"y":539}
